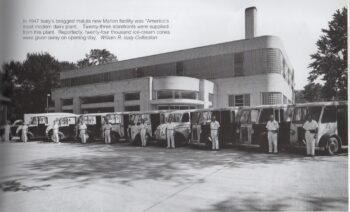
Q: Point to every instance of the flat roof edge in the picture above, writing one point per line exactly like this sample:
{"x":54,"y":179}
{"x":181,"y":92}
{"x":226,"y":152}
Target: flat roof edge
{"x":266,"y":41}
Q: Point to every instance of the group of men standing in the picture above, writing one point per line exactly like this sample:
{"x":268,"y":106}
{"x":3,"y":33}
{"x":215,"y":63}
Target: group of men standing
{"x":272,"y":126}
{"x":310,"y":127}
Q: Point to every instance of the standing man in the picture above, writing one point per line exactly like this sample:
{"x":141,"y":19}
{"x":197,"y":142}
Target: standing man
{"x":310,"y":127}
{"x":24,"y":129}
{"x":143,"y":131}
{"x":272,"y":127}
{"x":55,"y":129}
{"x":107,"y":132}
{"x":7,"y":131}
{"x":170,"y":133}
{"x":214,"y":132}
{"x":82,"y":131}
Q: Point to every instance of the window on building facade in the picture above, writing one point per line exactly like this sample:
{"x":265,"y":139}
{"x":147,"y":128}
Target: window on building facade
{"x":271,"y":98}
{"x":106,"y":77}
{"x":189,"y":95}
{"x":177,"y":95}
{"x":175,"y":107}
{"x":179,"y":69}
{"x":163,"y":107}
{"x":66,"y":102}
{"x":211,"y":98}
{"x":238,"y":64}
{"x":98,"y":110}
{"x":166,"y":94}
{"x":171,"y":94}
{"x":239,"y":100}
{"x":67,"y":111}
{"x":139,"y":72}
{"x":52,"y":102}
{"x":97,"y":99}
{"x":132,"y":108}
{"x":132,"y":96}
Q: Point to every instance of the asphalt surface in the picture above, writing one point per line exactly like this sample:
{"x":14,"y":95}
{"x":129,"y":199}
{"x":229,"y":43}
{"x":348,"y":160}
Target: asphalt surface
{"x":46,"y":177}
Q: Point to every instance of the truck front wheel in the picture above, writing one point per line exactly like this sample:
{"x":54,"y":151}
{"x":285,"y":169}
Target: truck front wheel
{"x":332,"y":147}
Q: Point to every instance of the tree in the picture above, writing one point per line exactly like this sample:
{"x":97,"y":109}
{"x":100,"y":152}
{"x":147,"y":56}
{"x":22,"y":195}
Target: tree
{"x":30,"y":81}
{"x":313,"y":92}
{"x":330,"y":61}
{"x":97,"y":57}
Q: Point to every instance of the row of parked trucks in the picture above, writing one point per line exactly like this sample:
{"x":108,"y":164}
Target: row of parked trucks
{"x":240,"y":126}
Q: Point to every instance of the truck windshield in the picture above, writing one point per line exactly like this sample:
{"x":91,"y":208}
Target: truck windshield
{"x":265,"y":115}
{"x":204,"y":117}
{"x":300,"y":113}
{"x":194,"y":117}
{"x":249,"y":116}
{"x":177,"y":117}
{"x":244,"y":118}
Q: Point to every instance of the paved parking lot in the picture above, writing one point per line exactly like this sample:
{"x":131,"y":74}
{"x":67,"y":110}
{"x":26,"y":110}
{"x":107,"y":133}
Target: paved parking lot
{"x":95,"y":177}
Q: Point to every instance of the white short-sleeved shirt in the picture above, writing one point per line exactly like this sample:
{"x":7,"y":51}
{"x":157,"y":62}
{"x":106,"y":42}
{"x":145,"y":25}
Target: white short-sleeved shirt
{"x":108,"y":127}
{"x":272,"y":125}
{"x":143,"y":126}
{"x":170,"y":126}
{"x":82,"y":127}
{"x":55,"y":127}
{"x":214,"y":125}
{"x":7,"y":128}
{"x":24,"y":128}
{"x":310,"y":125}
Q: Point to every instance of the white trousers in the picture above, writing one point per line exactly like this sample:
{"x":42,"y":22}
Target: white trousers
{"x":24,"y":136}
{"x":56,"y":137}
{"x":272,"y":137}
{"x":107,"y":136}
{"x":143,"y":137}
{"x":82,"y":136}
{"x":214,"y":139}
{"x":170,"y":139}
{"x":310,"y":143}
{"x":7,"y":134}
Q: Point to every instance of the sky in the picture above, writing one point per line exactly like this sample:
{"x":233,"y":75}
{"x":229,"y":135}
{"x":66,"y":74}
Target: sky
{"x":193,"y":23}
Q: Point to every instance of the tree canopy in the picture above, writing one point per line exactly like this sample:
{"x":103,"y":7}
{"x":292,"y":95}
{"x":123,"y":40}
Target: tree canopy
{"x":329,"y":63}
{"x":27,"y":83}
{"x":97,"y":57}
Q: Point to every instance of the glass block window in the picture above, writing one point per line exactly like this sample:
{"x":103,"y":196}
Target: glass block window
{"x":238,"y":64}
{"x":179,"y":69}
{"x":271,"y":98}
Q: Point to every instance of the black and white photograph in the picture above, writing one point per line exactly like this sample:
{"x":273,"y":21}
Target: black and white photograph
{"x":164,"y":105}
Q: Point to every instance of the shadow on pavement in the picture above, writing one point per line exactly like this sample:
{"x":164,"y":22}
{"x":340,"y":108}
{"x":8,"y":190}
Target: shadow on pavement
{"x":14,"y":186}
{"x":255,"y":204}
{"x":125,"y":164}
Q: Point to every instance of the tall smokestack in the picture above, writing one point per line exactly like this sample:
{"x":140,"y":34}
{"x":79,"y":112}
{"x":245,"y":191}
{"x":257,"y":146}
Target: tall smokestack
{"x":250,"y":22}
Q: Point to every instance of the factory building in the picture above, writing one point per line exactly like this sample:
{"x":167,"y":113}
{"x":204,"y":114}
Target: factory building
{"x":248,"y":72}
